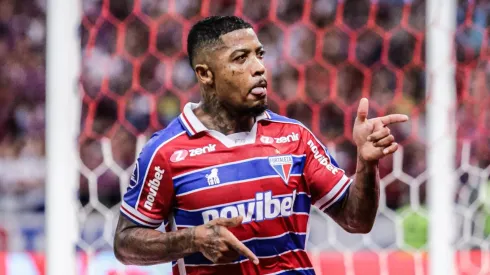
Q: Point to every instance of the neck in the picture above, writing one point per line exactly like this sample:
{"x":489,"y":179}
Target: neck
{"x":217,"y":117}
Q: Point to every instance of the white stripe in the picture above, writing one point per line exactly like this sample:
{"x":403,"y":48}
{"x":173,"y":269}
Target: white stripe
{"x":137,"y":221}
{"x":138,"y":214}
{"x":338,"y":197}
{"x":186,"y":125}
{"x":283,"y":271}
{"x":244,"y":260}
{"x":332,"y":192}
{"x":228,"y":163}
{"x":180,"y":262}
{"x":234,"y":202}
{"x":149,"y":165}
{"x":231,"y":183}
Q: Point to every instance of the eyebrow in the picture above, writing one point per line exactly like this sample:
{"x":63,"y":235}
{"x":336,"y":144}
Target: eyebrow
{"x":245,"y":50}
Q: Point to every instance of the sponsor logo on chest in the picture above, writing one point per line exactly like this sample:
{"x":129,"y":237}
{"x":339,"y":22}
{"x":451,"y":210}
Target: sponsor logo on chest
{"x":263,"y":207}
{"x":285,"y":139}
{"x":180,"y":155}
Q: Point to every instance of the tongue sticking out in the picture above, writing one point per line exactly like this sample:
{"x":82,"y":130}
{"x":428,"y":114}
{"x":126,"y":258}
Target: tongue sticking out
{"x":259,"y":91}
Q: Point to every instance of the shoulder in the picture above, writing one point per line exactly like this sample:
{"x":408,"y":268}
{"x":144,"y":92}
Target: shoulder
{"x":286,"y":121}
{"x":162,"y":139}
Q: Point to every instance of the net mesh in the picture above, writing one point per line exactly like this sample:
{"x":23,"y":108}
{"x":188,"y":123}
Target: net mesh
{"x":322,"y":57}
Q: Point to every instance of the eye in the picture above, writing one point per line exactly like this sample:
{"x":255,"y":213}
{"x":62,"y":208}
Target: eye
{"x":261,"y":53}
{"x":240,"y":58}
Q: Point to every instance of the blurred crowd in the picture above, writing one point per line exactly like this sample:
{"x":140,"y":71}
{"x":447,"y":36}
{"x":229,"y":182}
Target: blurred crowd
{"x":154,"y":81}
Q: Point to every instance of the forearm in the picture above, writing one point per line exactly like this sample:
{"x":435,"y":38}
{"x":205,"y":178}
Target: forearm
{"x":142,"y":246}
{"x":362,"y":202}
{"x":357,"y":212}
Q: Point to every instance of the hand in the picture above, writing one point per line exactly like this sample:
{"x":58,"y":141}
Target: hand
{"x":372,"y":136}
{"x":218,"y":244}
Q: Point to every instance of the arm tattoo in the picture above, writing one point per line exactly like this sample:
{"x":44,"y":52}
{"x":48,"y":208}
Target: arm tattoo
{"x":358,"y":211}
{"x":145,"y":246}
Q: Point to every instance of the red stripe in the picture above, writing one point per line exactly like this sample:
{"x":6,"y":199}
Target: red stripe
{"x":290,"y":260}
{"x":3,"y":263}
{"x":138,"y":218}
{"x":222,"y":194}
{"x":188,"y":123}
{"x":336,"y":195}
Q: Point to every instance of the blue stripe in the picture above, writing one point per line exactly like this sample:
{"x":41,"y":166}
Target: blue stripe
{"x":234,"y":172}
{"x":261,"y":248}
{"x":143,"y":161}
{"x":296,"y":272}
{"x":302,"y":204}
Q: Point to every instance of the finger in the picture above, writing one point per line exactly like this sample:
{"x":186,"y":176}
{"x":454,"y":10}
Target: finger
{"x":227,"y":222}
{"x":362,"y":110}
{"x":395,"y":118}
{"x":240,"y":247}
{"x":384,"y":142}
{"x":390,"y":149}
{"x":380,"y":134}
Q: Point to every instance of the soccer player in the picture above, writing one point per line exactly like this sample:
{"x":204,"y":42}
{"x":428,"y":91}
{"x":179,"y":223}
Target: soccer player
{"x":233,"y":182}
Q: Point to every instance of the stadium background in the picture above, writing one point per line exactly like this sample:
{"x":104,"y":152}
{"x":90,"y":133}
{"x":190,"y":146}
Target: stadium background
{"x":322,"y":56}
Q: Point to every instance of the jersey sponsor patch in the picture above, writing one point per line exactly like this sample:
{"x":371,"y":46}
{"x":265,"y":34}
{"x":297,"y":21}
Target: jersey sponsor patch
{"x":282,"y":165}
{"x":264,"y":206}
{"x":135,"y":176}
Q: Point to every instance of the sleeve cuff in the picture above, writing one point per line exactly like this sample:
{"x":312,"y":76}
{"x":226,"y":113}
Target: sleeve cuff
{"x":137,"y":217}
{"x":335,"y":194}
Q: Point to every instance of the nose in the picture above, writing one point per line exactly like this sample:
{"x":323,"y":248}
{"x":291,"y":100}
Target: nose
{"x":258,"y":67}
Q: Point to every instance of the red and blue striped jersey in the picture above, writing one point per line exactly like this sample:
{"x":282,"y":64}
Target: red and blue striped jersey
{"x":187,"y":175}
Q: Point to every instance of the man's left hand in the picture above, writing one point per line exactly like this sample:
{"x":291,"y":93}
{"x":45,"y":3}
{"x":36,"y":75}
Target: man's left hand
{"x":372,"y":136}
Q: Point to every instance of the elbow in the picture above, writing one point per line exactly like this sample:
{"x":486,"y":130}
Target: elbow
{"x":118,"y":251}
{"x":355,"y":227}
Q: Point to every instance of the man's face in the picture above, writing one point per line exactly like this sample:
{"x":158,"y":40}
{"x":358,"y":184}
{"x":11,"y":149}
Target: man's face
{"x":240,"y":74}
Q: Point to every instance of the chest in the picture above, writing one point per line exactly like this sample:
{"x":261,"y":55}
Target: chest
{"x":258,"y":181}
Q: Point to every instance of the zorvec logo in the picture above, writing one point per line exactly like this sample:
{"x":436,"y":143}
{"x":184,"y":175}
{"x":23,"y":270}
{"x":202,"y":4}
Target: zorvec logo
{"x":263,"y":207}
{"x":286,"y":139}
{"x":323,"y":160}
{"x":180,"y":155}
{"x":154,"y":185}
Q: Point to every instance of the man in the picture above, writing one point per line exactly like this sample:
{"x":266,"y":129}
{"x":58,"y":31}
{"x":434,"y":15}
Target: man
{"x":232,"y":181}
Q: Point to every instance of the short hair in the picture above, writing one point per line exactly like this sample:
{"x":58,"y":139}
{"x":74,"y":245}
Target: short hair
{"x":207,"y":32}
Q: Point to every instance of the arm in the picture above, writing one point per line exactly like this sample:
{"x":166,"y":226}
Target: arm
{"x":144,"y":246}
{"x":137,"y":245}
{"x":357,"y":211}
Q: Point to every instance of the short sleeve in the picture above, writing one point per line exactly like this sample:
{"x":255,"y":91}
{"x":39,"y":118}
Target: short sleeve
{"x":326,"y":181}
{"x":148,"y":197}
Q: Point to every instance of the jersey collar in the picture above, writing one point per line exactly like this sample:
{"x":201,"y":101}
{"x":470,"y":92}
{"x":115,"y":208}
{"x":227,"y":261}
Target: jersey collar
{"x":194,"y":126}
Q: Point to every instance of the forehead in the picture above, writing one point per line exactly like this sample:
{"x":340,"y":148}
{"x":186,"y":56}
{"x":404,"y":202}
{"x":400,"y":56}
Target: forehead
{"x":240,"y":39}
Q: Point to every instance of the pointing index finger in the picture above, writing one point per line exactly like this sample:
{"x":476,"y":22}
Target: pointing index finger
{"x":241,"y":248}
{"x":394,"y":118}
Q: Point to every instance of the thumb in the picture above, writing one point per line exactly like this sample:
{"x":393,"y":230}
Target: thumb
{"x":227,"y":222}
{"x":362,"y":110}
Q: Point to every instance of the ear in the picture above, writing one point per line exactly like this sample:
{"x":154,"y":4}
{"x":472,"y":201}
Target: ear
{"x":204,"y":74}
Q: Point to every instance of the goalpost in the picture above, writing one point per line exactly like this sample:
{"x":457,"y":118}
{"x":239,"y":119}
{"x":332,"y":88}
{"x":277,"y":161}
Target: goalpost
{"x":63,"y":110}
{"x":63,"y":53}
{"x":441,"y":133}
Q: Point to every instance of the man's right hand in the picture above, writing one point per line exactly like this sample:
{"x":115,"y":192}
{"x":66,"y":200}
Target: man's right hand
{"x":218,"y":244}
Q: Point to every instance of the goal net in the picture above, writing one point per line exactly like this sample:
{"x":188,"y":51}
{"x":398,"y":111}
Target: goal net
{"x":322,"y":57}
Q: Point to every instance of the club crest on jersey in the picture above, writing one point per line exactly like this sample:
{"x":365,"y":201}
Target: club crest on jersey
{"x":282,"y":165}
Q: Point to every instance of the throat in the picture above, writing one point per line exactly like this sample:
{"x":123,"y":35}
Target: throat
{"x":221,"y":120}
